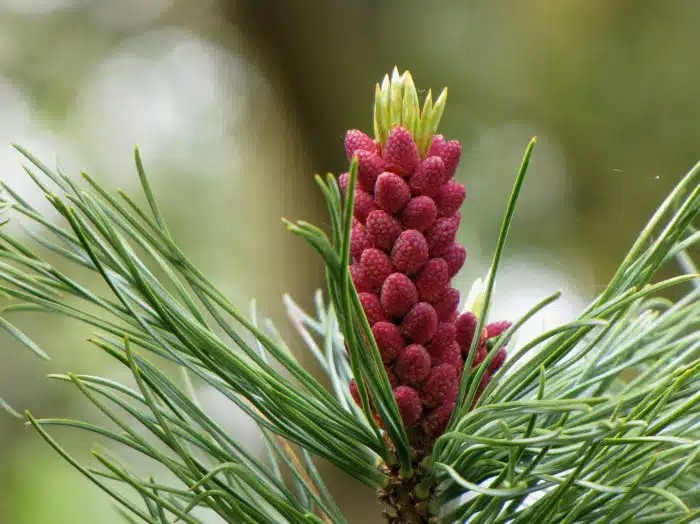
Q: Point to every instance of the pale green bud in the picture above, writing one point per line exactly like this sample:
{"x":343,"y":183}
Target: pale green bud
{"x":477,"y":295}
{"x":396,"y":104}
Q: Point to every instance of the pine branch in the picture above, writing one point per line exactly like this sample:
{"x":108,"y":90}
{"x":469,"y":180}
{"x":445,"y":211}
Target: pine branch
{"x":160,"y":315}
{"x":596,"y":420}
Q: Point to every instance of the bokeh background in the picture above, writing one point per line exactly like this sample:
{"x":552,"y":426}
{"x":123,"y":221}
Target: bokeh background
{"x":235,"y":104}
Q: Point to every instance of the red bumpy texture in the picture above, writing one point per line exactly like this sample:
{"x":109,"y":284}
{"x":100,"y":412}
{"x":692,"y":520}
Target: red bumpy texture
{"x":404,"y":257}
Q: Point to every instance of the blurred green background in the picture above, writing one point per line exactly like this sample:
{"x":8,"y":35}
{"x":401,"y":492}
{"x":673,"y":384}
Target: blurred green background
{"x":236,"y":104}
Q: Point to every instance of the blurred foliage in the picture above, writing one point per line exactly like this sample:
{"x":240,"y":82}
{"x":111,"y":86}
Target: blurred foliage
{"x":264,"y":90}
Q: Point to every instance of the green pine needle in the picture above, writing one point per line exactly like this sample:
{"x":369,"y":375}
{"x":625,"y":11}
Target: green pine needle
{"x":597,"y":420}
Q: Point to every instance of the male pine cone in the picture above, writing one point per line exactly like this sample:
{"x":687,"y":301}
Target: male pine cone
{"x":404,"y":255}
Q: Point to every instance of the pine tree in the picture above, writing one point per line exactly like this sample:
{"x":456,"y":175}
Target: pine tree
{"x":597,"y":420}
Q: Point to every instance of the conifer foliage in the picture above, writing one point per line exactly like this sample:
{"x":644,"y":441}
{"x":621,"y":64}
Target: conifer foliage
{"x":596,"y":420}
